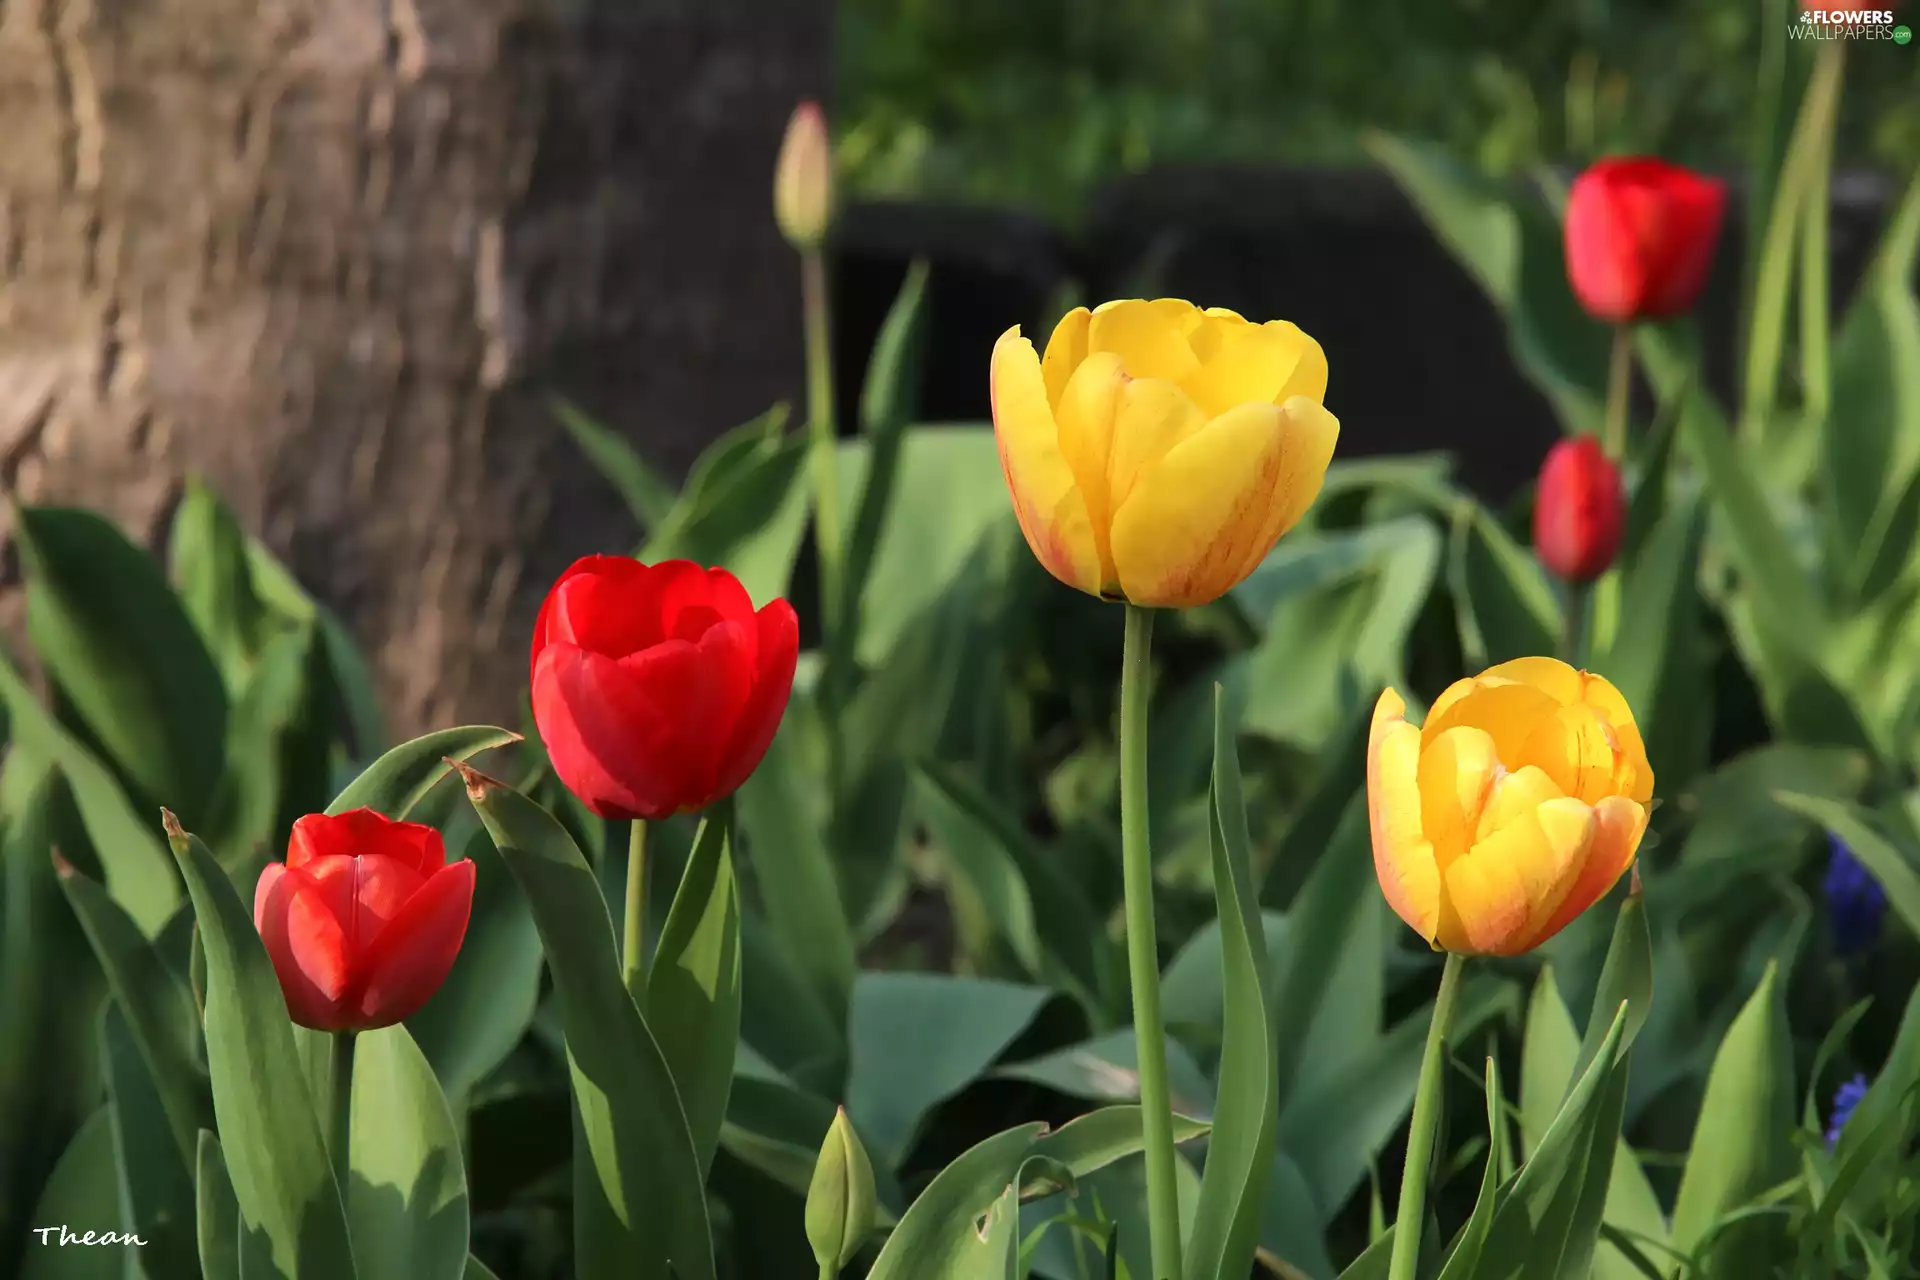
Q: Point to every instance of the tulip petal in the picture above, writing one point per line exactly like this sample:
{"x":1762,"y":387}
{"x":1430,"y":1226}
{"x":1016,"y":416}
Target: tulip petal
{"x":1197,"y":523}
{"x":1456,"y":775}
{"x":1402,"y":857}
{"x":1066,"y":350}
{"x":1268,"y":363}
{"x":1575,"y":746}
{"x":412,"y":956}
{"x":1564,"y":684}
{"x":777,"y":650}
{"x":543,"y":623}
{"x":353,"y":899}
{"x":1619,"y":824}
{"x":688,"y":605}
{"x":616,"y":741}
{"x":1634,"y":778}
{"x":1150,"y":417}
{"x":1514,"y":796}
{"x":366,"y":832}
{"x":1052,"y":513}
{"x":1149,"y":337}
{"x":1509,"y":712}
{"x":1511,"y":883}
{"x":307,"y":945}
{"x":618,"y":611}
{"x":1085,"y":414}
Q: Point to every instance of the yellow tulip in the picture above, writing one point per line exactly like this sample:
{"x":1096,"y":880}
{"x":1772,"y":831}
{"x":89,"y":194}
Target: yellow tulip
{"x":1159,"y":451}
{"x":1513,"y":809}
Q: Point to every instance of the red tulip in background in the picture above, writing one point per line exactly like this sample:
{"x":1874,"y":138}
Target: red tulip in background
{"x":657,"y":688}
{"x":363,"y":920}
{"x":1640,"y":237}
{"x":1579,"y":510}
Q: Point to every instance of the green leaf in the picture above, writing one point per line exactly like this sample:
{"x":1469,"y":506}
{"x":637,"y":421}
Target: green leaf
{"x":351,"y":674}
{"x":1339,"y":774}
{"x":744,"y":509}
{"x":886,"y":404}
{"x":1660,"y":602}
{"x":1626,"y":978}
{"x":115,"y":639}
{"x":208,"y":554}
{"x":487,"y":1003}
{"x":477,"y":1270}
{"x":1886,"y":1114}
{"x":840,"y":1197}
{"x":82,"y":1192}
{"x":1742,"y":1142}
{"x":948,"y":493}
{"x":982,"y":876}
{"x":1461,"y":1263}
{"x":782,"y":1018}
{"x":246,"y":808}
{"x":693,"y":987}
{"x":641,"y":1209}
{"x":1093,"y":1141}
{"x":1872,"y":461}
{"x":1896,"y":871}
{"x":936,"y":1237}
{"x":156,"y":1178}
{"x":401,"y":778}
{"x":216,"y":1213}
{"x":1226,"y":1223}
{"x":916,"y":1039}
{"x":161,"y":1020}
{"x":281,"y":1178}
{"x":407,"y":1205}
{"x":1107,"y":1069}
{"x":798,"y":888}
{"x":1472,"y":215}
{"x":1548,"y":1221}
{"x":1506,"y":609}
{"x":1654,"y":458}
{"x":647,"y":495}
{"x":137,"y":869}
{"x":1548,"y":1052}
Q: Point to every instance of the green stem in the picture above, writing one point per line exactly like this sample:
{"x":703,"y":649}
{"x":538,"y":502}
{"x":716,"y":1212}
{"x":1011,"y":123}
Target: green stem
{"x":341,"y":1125}
{"x":825,"y":441}
{"x":1143,"y":952}
{"x":1619,"y":388}
{"x":634,"y":940}
{"x":1573,"y":623}
{"x":1409,"y":1222}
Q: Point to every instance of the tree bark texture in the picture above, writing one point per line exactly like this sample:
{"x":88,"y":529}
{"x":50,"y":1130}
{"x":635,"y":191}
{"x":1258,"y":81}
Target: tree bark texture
{"x":335,"y":255}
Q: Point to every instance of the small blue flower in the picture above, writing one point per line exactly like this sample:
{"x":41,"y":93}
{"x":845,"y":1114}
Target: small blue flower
{"x":1856,"y":904}
{"x":1845,"y":1099}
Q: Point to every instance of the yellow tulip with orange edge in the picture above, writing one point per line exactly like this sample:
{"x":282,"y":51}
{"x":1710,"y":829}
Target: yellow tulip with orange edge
{"x":1157,"y":451}
{"x":1515,"y":807}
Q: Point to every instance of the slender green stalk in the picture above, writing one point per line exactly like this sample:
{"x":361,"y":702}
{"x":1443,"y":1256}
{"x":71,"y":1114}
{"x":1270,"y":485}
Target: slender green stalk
{"x":1816,"y":379}
{"x":1573,"y":623}
{"x":825,"y":437}
{"x":1619,"y":390}
{"x":1411,"y":1218}
{"x":633,"y":950}
{"x":341,"y":1121}
{"x":828,"y":1271}
{"x":1143,"y":952}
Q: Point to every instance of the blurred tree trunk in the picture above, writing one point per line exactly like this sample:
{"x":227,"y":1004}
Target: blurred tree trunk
{"x":335,"y":255}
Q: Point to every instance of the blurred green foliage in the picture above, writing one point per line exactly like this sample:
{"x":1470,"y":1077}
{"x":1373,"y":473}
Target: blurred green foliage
{"x":1031,"y":102}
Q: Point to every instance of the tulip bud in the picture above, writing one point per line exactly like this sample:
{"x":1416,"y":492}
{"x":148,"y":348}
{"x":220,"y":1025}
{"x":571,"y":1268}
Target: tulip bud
{"x":1640,"y":236}
{"x":803,"y":179}
{"x":840,"y":1199}
{"x":1579,"y":511}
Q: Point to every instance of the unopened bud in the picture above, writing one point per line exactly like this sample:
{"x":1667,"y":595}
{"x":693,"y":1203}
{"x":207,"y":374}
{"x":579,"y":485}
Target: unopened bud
{"x":803,"y":180}
{"x":840,"y":1200}
{"x":1579,"y":511}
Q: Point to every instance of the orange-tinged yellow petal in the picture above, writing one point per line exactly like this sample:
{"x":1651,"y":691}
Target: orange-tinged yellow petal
{"x":1052,"y":512}
{"x":1150,"y":418}
{"x":1575,"y":746}
{"x":1635,"y":779}
{"x":1065,"y":350}
{"x":1269,"y":363}
{"x":1551,"y":676}
{"x":1085,"y":417}
{"x":1456,"y":775}
{"x":1509,"y":712}
{"x":1402,"y":858}
{"x":1618,"y":825}
{"x":1451,"y":694}
{"x":1198,"y":522}
{"x":1510,"y":884}
{"x":1514,"y":796}
{"x":1149,"y":337}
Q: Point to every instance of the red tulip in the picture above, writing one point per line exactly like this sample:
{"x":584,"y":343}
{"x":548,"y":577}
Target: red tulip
{"x":1579,"y":510}
{"x":657,"y":688}
{"x":363,"y":920}
{"x":1640,"y":237}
